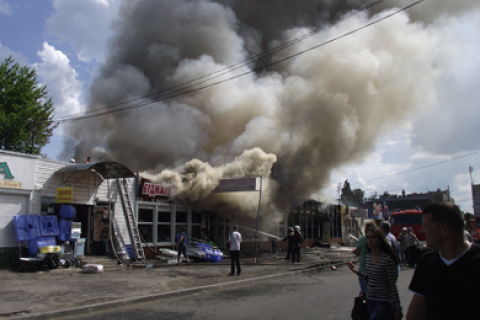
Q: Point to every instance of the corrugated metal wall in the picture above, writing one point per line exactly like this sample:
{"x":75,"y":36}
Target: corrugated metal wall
{"x":102,"y":195}
{"x":84,"y":185}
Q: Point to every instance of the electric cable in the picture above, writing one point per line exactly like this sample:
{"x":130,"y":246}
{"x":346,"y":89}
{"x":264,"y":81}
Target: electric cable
{"x":249,"y":60}
{"x":419,"y":168}
{"x":189,"y":89}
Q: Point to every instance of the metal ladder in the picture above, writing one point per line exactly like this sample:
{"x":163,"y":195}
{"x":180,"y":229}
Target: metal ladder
{"x":132,"y":227}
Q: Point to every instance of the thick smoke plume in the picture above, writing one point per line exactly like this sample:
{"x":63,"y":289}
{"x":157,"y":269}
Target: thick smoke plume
{"x":292,"y":122}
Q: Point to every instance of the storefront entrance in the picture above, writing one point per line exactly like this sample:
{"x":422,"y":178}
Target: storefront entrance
{"x":94,"y":221}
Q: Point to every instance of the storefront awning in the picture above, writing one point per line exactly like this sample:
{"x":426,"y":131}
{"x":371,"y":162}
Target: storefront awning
{"x":106,"y":170}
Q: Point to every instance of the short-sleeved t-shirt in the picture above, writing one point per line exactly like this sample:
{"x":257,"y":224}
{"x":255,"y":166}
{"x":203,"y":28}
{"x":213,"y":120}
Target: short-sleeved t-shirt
{"x":235,"y":238}
{"x":184,"y":240}
{"x":362,"y":253}
{"x":449,"y":291}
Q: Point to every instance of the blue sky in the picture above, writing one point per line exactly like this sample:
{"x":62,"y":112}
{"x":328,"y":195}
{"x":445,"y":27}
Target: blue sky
{"x":66,"y":41}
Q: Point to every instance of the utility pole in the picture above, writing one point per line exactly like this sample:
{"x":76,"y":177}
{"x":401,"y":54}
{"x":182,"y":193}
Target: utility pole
{"x":258,"y":218}
{"x":470,"y":169}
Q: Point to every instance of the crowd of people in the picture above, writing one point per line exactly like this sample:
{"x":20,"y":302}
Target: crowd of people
{"x":444,"y":277}
{"x":443,"y":280}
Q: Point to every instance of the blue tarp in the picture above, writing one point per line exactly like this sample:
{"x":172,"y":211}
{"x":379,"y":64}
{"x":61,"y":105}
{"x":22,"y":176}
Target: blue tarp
{"x":35,"y":244}
{"x":67,"y":212}
{"x":64,"y":230}
{"x":48,"y":226}
{"x":26,"y":227}
{"x":211,"y":254}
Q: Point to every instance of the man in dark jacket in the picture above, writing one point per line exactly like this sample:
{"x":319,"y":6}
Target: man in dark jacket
{"x":289,"y":238}
{"x":296,"y":244}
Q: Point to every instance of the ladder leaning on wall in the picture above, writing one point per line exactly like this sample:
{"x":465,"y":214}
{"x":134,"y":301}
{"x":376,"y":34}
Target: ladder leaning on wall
{"x":132,"y":226}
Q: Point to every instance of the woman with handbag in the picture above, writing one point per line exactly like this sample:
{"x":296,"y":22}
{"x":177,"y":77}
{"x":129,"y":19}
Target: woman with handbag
{"x":383,"y":301}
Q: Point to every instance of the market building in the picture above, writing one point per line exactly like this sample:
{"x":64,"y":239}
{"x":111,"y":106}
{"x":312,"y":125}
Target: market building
{"x":32,"y":185}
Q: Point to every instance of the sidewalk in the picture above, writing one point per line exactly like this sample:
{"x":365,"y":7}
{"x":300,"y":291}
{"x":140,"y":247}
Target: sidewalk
{"x":32,"y":294}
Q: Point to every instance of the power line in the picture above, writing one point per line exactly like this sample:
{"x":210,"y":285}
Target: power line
{"x":179,"y":91}
{"x":240,"y":64}
{"x":237,"y":65}
{"x":419,"y":168}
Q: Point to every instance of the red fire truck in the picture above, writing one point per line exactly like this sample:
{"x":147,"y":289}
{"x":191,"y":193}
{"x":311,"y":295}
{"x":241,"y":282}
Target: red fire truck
{"x":475,"y":225}
{"x":408,"y":218}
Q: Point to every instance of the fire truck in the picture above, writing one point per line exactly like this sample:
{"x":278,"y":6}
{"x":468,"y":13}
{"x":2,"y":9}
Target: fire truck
{"x":408,"y":218}
{"x":475,"y":225}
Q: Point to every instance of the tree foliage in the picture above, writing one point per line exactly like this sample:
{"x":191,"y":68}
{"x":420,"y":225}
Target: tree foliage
{"x":26,"y":114}
{"x":348,"y":194}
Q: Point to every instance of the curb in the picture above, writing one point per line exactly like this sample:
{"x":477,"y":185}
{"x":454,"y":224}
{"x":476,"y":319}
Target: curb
{"x":181,"y":292}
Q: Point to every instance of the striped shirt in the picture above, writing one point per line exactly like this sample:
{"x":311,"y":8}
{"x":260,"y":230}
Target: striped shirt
{"x":382,"y":278}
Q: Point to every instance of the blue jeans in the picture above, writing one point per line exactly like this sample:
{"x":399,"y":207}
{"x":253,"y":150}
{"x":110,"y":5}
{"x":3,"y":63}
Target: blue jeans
{"x":379,"y":310}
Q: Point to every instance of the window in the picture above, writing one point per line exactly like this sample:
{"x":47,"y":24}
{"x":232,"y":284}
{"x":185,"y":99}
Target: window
{"x":196,"y":217}
{"x":146,"y":233}
{"x":145,"y":224}
{"x":164,"y":233}
{"x":145,"y":215}
{"x":181,"y":217}
{"x":164,"y":228}
{"x":164,"y":216}
{"x":406,"y":219}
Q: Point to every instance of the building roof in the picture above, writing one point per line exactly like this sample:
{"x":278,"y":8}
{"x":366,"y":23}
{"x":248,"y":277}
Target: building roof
{"x":106,"y":169}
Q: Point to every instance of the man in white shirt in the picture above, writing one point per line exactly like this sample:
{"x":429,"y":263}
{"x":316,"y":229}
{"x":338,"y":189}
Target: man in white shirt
{"x":235,"y":238}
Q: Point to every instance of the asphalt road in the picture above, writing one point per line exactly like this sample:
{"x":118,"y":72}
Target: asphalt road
{"x":322,"y":295}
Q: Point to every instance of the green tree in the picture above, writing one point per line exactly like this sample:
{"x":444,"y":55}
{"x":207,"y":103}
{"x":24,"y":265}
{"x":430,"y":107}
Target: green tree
{"x":26,"y":114}
{"x":346,"y":190}
{"x":348,"y":194}
{"x":385,"y":194}
{"x":359,"y":195}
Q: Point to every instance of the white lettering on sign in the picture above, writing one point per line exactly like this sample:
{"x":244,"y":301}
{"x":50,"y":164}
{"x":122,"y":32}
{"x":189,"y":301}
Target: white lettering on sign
{"x":153,"y":190}
{"x":232,"y":185}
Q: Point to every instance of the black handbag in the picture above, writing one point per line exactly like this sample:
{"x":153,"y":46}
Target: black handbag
{"x":360,"y":311}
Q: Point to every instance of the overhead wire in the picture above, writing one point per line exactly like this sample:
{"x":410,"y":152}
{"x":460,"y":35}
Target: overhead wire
{"x":418,"y":168}
{"x":182,"y":89}
{"x":240,"y":64}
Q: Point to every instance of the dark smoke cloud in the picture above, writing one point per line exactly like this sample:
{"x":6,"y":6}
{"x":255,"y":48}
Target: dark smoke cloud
{"x":299,"y":119}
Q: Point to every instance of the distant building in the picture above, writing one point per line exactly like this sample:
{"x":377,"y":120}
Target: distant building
{"x":412,"y":201}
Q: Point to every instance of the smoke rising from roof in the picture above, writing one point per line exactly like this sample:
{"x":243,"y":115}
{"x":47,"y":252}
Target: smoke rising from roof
{"x":292,"y":122}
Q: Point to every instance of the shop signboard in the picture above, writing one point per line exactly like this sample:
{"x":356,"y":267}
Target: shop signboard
{"x":148,"y":189}
{"x":359,"y":213}
{"x":233,"y":185}
{"x":64,"y":195}
{"x":17,"y":172}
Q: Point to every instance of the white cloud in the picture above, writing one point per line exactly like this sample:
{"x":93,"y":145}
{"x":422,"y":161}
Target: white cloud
{"x":61,"y":80}
{"x":452,"y":125}
{"x":85,"y":25}
{"x":5,"y":8}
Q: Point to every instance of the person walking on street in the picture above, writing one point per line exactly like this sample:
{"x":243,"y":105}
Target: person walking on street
{"x":361,"y":251}
{"x":411,"y":244}
{"x":468,"y":237}
{"x":296,"y":244}
{"x":235,"y":238}
{"x":383,"y":301}
{"x":385,"y":227}
{"x":447,"y":276}
{"x":401,"y":240}
{"x":182,"y":246}
{"x":289,"y":238}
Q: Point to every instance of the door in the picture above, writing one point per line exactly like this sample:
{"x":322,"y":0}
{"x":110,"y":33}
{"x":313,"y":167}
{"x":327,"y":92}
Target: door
{"x":10,"y":206}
